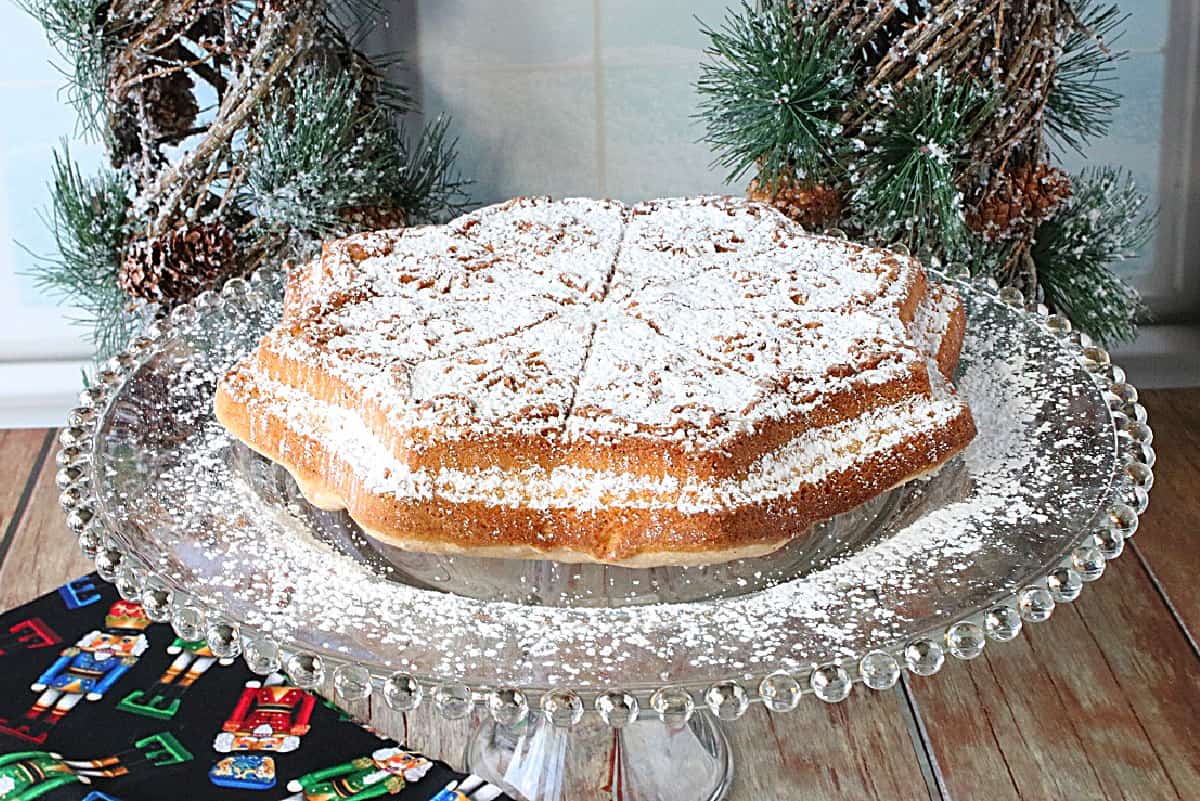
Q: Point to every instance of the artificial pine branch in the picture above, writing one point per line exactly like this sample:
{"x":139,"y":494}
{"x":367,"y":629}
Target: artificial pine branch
{"x":424,"y":180}
{"x":772,"y":91}
{"x":980,"y":256}
{"x":1103,"y":222}
{"x":317,"y":155}
{"x":328,"y":151}
{"x":277,"y":46}
{"x":88,"y":219}
{"x":75,"y":29}
{"x":338,"y":45}
{"x":304,"y":141}
{"x":928,"y":153}
{"x":1081,"y":102}
{"x":904,"y":181}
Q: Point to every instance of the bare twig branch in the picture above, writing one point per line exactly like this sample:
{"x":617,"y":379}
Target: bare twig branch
{"x":278,"y":45}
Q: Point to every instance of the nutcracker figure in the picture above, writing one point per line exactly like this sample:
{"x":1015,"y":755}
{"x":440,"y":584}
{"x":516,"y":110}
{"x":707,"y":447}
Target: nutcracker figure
{"x":269,"y":716}
{"x":244,"y":771}
{"x":192,"y":659}
{"x":28,"y":775}
{"x":385,"y":772}
{"x":472,"y":788}
{"x":27,"y":635}
{"x":87,"y":669}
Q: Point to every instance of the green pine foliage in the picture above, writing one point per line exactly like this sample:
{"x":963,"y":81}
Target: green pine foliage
{"x":772,"y":92}
{"x":328,"y":150}
{"x":1082,"y":101}
{"x":921,"y":115}
{"x":979,"y":257}
{"x":88,"y":217}
{"x":73,"y":28}
{"x":1103,"y":222}
{"x":423,"y":178}
{"x":316,"y":155}
{"x":903,"y":183}
{"x":307,"y":129}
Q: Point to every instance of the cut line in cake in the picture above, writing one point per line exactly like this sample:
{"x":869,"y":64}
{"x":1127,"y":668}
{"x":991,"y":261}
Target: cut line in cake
{"x":586,"y":381}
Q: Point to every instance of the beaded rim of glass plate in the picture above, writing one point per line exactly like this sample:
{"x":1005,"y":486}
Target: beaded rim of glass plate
{"x":728,"y":700}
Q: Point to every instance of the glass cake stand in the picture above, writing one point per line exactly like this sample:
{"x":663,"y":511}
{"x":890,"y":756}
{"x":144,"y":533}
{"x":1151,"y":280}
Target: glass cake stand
{"x":577,"y":669}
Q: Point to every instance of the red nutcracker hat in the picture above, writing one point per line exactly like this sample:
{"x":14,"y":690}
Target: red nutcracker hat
{"x":127,"y":615}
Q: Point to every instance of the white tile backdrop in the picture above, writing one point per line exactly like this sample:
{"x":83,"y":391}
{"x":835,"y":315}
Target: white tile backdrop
{"x":567,"y":97}
{"x":548,"y":96}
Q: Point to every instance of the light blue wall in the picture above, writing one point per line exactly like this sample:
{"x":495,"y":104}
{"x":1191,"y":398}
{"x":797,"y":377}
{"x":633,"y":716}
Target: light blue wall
{"x":569,"y":97}
{"x":35,"y":119}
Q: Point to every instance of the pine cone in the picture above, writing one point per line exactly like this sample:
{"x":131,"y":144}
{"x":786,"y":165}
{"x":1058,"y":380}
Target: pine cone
{"x":812,"y":205}
{"x":180,"y":264}
{"x":170,"y":105}
{"x":1016,"y":201}
{"x":373,"y":218}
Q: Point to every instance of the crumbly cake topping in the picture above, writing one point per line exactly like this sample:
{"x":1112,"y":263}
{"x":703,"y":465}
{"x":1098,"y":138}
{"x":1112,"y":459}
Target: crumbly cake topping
{"x":694,"y":319}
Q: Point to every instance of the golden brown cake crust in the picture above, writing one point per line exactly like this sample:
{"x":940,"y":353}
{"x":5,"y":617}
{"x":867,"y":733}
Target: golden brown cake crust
{"x":536,"y":379}
{"x":634,"y":537}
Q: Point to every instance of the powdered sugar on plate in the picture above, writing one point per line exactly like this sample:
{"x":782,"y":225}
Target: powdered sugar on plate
{"x":228,"y":530}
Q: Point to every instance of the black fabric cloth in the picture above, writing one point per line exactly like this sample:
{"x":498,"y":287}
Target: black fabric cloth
{"x":92,"y":709}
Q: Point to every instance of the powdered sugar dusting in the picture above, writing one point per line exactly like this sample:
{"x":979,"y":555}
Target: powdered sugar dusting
{"x":801,"y":462}
{"x":1037,"y":474}
{"x":697,"y":319}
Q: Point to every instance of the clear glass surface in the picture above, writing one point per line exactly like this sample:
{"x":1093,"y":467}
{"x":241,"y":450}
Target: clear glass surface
{"x":228,"y":530}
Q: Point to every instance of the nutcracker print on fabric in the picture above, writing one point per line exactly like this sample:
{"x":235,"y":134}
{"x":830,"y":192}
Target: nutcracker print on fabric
{"x":269,"y":716}
{"x":87,"y":669}
{"x":471,"y":788}
{"x":385,"y":772}
{"x":244,"y":772}
{"x":192,"y":659}
{"x":29,"y":775}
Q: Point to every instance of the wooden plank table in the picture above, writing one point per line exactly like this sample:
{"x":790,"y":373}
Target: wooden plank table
{"x":1101,"y":702}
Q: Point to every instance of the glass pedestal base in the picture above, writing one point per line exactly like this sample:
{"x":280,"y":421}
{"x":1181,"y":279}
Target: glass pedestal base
{"x":647,"y":760}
